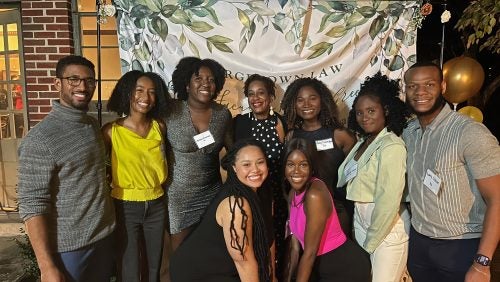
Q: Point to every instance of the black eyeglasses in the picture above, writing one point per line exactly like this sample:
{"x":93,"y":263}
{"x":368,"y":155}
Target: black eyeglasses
{"x":76,"y":81}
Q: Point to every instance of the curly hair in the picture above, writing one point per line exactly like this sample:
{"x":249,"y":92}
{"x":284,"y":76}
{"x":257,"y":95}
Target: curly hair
{"x":386,"y":92}
{"x":188,"y":66}
{"x":328,"y":112}
{"x":119,"y":101}
{"x":268,"y":84}
{"x":240,"y":191}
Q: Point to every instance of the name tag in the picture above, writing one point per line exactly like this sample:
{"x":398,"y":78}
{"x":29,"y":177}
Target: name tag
{"x":432,"y":181}
{"x":325,"y":144}
{"x":204,"y":139}
{"x":351,"y":170}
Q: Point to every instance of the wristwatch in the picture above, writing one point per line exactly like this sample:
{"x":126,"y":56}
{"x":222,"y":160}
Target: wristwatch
{"x":482,"y":260}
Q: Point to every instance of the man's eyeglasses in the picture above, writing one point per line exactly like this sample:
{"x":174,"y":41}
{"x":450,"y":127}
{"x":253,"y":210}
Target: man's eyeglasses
{"x":76,"y":81}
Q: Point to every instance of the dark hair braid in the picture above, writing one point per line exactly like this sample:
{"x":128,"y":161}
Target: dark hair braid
{"x":240,"y":192}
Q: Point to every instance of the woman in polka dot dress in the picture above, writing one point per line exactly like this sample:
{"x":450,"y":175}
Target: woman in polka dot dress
{"x":267,"y":127}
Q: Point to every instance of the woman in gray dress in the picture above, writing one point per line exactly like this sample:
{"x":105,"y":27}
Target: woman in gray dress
{"x":197,"y":129}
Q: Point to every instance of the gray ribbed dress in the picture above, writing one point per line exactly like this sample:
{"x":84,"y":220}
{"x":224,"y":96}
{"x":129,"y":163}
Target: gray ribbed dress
{"x":194,"y":173}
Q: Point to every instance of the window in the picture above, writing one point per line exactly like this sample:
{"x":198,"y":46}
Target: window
{"x":13,"y":119}
{"x":85,"y":24}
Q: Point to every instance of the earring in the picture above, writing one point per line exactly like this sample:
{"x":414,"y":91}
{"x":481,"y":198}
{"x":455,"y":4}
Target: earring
{"x":271,"y":112}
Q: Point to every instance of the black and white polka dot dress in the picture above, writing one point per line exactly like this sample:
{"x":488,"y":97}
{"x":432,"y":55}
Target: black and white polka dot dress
{"x":271,"y":195}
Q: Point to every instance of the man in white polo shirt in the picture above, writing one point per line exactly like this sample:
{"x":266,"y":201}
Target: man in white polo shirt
{"x":453,"y":168}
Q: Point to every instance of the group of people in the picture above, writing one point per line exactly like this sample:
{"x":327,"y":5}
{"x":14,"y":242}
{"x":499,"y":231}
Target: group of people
{"x":305,"y":198}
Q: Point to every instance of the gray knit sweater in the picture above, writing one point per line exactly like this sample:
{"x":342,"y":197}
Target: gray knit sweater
{"x":62,"y":175}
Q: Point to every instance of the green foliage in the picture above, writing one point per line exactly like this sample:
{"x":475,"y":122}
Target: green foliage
{"x":479,"y":23}
{"x":185,"y":24}
{"x":32,"y":272}
{"x":342,"y":18}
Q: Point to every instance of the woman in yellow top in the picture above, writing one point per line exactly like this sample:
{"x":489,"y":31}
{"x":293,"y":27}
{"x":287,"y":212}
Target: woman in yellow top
{"x":139,"y":170}
{"x":374,"y":172}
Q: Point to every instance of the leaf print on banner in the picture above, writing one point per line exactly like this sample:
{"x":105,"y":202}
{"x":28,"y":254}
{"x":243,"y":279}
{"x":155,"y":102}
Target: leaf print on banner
{"x":376,"y":26}
{"x":395,"y":64}
{"x":168,"y":10}
{"x":261,"y":8}
{"x":319,"y":49}
{"x":159,"y":27}
{"x":200,"y":26}
{"x":367,"y":11}
{"x":143,"y":52}
{"x":140,"y":11}
{"x":194,"y":49}
{"x":337,"y":31}
{"x":244,"y":19}
{"x":189,"y":20}
{"x":180,"y":17}
{"x":282,"y":3}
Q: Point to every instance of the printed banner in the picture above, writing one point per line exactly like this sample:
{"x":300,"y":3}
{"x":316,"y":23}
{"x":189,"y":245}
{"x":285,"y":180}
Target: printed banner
{"x":338,"y":42}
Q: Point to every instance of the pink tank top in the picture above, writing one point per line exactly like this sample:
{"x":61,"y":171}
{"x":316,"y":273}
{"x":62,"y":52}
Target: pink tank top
{"x":333,"y":236}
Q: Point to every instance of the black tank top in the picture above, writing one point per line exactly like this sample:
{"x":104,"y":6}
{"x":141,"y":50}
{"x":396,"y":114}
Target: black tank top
{"x":328,"y":160}
{"x":203,"y":255}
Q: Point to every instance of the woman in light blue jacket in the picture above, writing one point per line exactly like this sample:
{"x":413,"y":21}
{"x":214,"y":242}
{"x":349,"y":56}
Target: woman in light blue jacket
{"x":374,"y":172}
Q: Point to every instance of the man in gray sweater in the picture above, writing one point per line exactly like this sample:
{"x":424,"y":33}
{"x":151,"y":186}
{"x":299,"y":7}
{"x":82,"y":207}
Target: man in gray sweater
{"x":63,"y":197}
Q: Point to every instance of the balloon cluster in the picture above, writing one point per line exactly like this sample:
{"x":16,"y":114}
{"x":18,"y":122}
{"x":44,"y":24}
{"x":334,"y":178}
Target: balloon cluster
{"x":464,"y":77}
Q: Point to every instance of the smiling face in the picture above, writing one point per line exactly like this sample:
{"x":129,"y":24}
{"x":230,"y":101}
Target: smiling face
{"x":308,"y":104}
{"x":143,"y":99}
{"x":251,"y":167}
{"x":259,"y":99}
{"x":370,"y":115}
{"x":201,"y":88}
{"x":424,"y":88}
{"x":77,"y":97}
{"x":297,"y":170}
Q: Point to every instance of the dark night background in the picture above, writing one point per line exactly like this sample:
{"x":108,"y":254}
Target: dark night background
{"x":429,"y":49}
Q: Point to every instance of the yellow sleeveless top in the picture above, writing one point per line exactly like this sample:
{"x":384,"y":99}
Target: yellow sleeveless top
{"x":138,"y":164}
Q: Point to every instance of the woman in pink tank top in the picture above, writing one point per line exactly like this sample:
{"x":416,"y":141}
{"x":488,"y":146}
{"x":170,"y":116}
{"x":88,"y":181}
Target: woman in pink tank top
{"x":327,"y":253}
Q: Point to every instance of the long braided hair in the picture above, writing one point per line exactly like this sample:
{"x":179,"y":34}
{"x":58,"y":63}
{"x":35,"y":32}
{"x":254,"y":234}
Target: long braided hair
{"x":240,"y":191}
{"x":328,"y":115}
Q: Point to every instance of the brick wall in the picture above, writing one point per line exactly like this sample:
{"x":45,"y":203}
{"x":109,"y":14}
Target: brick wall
{"x":47,"y":36}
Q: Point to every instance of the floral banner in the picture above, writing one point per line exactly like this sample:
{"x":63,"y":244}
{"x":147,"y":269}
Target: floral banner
{"x":338,"y":42}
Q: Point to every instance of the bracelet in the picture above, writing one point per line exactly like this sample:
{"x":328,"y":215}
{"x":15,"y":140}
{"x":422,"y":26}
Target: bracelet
{"x":479,"y":270}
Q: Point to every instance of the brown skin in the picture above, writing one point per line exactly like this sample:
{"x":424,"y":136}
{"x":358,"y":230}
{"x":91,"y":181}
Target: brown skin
{"x":260,"y":103}
{"x":370,"y":115}
{"x":489,"y":189}
{"x":259,"y":99}
{"x":424,"y":89}
{"x":201,"y":90}
{"x":251,"y":169}
{"x":308,"y":107}
{"x":77,"y":97}
{"x":37,"y":227}
{"x":317,"y":207}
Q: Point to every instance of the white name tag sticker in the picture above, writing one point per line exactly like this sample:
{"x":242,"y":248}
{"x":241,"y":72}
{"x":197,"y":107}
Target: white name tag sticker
{"x":432,"y":181}
{"x":204,"y":139}
{"x":325,"y":144}
{"x":351,"y":170}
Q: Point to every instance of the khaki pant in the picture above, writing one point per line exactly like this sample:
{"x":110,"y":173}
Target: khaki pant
{"x":389,"y":259}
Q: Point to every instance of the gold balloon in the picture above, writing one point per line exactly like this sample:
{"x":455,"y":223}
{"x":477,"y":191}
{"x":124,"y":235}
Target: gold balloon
{"x":464,"y":77}
{"x":472,"y":112}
